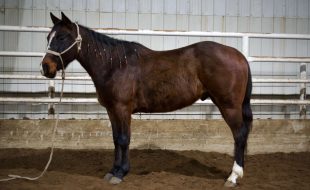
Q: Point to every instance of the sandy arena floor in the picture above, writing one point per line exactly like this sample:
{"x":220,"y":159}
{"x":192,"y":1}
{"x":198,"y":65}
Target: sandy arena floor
{"x":153,"y":169}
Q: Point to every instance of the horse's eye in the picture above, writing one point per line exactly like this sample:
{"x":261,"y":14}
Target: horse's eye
{"x":62,"y":38}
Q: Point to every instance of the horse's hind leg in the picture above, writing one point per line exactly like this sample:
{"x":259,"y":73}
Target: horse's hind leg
{"x":239,"y":126}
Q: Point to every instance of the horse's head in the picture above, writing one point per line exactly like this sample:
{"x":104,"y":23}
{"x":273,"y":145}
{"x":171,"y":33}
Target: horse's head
{"x":64,"y":43}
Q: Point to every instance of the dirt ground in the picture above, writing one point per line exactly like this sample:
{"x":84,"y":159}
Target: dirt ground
{"x":153,"y":169}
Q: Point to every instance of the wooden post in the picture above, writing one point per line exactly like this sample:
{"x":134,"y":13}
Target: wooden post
{"x":303,"y":75}
{"x":51,"y":94}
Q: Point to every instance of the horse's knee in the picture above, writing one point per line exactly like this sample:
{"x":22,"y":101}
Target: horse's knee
{"x":123,"y":140}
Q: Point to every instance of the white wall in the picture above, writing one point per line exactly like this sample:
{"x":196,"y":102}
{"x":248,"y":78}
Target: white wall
{"x":261,"y":16}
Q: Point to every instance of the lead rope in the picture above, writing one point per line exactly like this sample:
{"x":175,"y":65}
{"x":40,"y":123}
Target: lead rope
{"x":13,"y":176}
{"x":78,"y":41}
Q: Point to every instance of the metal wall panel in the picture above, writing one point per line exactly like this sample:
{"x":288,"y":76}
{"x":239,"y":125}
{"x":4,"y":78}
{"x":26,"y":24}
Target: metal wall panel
{"x":106,"y":5}
{"x":194,"y":23}
{"x":302,"y":45}
{"x":157,"y":6}
{"x":39,"y":4}
{"x":256,"y":8}
{"x":195,"y":7}
{"x":106,"y":20}
{"x":25,"y":17}
{"x":207,"y":7}
{"x":93,"y":5}
{"x":25,"y":4}
{"x":145,"y":21}
{"x":183,"y":7}
{"x":66,"y":4}
{"x":267,"y":44}
{"x":78,"y":5}
{"x":170,"y":7}
{"x":157,"y":43}
{"x":244,"y":8}
{"x":231,"y":26}
{"x":279,"y":8}
{"x":38,"y":17}
{"x":255,"y":44}
{"x":80,"y":17}
{"x":119,"y":20}
{"x":11,"y":4}
{"x":291,"y":9}
{"x":303,"y":8}
{"x":52,"y":4}
{"x":170,"y":22}
{"x":145,"y":6}
{"x":2,"y":4}
{"x":157,"y":21}
{"x":132,"y":21}
{"x":268,"y":7}
{"x":219,"y":8}
{"x":169,"y":42}
{"x":207,"y":23}
{"x":119,"y":6}
{"x":232,"y":8}
{"x":132,"y":6}
{"x":182,"y":22}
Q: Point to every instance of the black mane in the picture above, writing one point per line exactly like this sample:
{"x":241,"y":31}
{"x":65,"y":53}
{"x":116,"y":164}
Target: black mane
{"x":110,"y":49}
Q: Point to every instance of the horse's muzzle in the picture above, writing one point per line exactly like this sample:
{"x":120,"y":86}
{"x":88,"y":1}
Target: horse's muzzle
{"x":48,"y":70}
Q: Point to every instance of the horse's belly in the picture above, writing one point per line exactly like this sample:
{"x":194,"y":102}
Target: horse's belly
{"x":170,"y":97}
{"x":167,"y":106}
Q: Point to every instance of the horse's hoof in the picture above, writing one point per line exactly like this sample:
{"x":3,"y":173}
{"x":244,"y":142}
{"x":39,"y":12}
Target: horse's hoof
{"x":108,"y":177}
{"x":115,"y":180}
{"x":230,"y":184}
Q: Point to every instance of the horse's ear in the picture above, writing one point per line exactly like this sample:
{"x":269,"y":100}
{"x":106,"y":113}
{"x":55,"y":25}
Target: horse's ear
{"x":65,"y":19}
{"x":54,"y":18}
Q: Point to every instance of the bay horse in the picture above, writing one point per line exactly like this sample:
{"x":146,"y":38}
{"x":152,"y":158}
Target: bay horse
{"x":131,"y":78}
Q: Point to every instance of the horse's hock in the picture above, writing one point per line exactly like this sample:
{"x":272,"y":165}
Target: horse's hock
{"x":205,"y":135}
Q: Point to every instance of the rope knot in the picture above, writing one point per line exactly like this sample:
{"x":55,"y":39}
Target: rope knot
{"x":79,"y":41}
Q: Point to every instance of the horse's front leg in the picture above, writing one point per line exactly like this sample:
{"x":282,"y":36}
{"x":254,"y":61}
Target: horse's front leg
{"x":120,"y":118}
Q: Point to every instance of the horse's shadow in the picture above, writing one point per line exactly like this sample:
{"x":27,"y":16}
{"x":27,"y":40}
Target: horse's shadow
{"x":157,"y":160}
{"x":98,"y":162}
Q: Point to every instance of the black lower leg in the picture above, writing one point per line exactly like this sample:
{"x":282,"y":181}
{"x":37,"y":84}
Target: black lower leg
{"x":240,"y":144}
{"x":117,"y":158}
{"x":122,"y":166}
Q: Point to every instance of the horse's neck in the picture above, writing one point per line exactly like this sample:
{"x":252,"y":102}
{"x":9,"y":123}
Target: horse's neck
{"x":99,"y":60}
{"x":91,"y":58}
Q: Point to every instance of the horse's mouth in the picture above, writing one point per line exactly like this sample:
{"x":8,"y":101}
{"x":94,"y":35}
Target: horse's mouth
{"x":50,"y":75}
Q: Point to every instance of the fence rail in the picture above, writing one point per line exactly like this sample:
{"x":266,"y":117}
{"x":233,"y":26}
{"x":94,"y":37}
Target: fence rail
{"x":95,"y":101}
{"x":245,"y":50}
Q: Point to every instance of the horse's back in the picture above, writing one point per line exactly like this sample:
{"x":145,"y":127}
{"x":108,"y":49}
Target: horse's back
{"x":177,"y":78}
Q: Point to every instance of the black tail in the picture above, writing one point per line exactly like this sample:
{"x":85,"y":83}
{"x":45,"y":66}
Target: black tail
{"x":246,"y":106}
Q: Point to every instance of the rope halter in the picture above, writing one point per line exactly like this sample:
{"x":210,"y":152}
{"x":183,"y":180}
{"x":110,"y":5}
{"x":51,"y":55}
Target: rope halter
{"x":78,"y":41}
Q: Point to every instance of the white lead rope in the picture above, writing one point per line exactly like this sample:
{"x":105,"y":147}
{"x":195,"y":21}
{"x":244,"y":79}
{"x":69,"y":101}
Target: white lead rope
{"x":13,"y":176}
{"x":78,"y":41}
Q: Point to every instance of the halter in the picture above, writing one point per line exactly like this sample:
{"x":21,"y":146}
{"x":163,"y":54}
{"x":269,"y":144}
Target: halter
{"x":78,"y":41}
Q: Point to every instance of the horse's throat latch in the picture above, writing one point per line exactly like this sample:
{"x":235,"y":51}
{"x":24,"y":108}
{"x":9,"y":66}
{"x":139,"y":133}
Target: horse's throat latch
{"x":78,"y":39}
{"x":79,"y":42}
